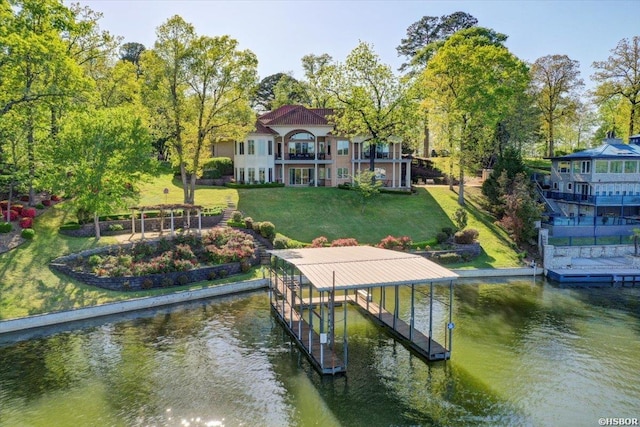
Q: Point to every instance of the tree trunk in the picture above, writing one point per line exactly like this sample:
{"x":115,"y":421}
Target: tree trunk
{"x":551,"y":143}
{"x":185,"y":186}
{"x":461,"y":187}
{"x":96,"y":223}
{"x":632,"y":116}
{"x":372,"y":157}
{"x":450,"y":173}
{"x":31,"y":155}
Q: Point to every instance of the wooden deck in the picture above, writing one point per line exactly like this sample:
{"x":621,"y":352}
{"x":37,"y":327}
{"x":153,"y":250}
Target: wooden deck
{"x":412,"y":339}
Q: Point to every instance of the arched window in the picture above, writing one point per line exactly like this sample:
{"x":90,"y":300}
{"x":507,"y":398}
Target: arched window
{"x":301,"y":145}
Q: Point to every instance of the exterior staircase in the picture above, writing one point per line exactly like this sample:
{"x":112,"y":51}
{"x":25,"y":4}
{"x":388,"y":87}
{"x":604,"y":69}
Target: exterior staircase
{"x":228,"y":211}
{"x":261,"y":248}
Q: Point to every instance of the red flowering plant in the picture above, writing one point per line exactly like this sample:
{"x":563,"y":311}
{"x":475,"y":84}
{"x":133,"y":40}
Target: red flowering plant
{"x":26,"y":223}
{"x":29,"y":212}
{"x":345,"y":242}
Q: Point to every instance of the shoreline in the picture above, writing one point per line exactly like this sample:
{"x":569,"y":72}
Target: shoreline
{"x":37,"y":321}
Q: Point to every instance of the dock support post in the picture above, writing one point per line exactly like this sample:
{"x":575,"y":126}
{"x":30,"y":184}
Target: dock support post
{"x":413,"y":312}
{"x":396,"y":308}
{"x":345,"y":344}
{"x":450,"y":326}
{"x":430,"y":317}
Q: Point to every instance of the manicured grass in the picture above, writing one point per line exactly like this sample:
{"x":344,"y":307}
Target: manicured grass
{"x":152,"y":193}
{"x":496,"y":244}
{"x":306,"y":213}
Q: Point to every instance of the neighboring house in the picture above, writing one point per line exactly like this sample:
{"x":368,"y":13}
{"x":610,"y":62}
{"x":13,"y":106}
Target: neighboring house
{"x":598,"y":182}
{"x":297,"y":146}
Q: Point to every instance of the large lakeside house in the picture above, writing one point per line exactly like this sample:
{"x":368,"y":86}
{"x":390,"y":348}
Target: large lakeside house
{"x":298,"y":146}
{"x":599,"y":182}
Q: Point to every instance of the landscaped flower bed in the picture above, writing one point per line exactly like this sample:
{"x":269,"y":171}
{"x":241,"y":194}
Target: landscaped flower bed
{"x":166,"y":262}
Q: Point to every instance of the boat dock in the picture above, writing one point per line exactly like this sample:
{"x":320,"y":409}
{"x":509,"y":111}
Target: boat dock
{"x":597,"y":271}
{"x":306,"y":286}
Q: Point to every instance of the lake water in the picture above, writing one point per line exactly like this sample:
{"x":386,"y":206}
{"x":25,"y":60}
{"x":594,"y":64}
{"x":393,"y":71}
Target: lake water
{"x":524,"y":353}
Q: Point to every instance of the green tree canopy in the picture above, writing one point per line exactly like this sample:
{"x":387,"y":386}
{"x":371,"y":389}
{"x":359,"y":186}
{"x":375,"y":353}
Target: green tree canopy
{"x":619,"y":76}
{"x":373,"y":104}
{"x":470,"y":85}
{"x":100,"y":159}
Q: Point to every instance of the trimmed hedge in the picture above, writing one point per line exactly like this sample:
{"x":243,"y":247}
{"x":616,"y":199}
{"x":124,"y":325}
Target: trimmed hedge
{"x":265,"y":185}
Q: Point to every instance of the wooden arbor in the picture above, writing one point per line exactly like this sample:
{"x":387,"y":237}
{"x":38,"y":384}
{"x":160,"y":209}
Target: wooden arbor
{"x":172,"y":208}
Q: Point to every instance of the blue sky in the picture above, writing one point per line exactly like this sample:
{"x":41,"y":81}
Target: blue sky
{"x":281,"y":32}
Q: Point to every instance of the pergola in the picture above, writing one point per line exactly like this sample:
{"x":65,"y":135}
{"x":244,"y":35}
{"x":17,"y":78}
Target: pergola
{"x":163,"y":208}
{"x":307,"y":284}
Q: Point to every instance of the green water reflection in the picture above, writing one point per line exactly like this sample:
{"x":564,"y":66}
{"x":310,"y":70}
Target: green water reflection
{"x":524,"y":353}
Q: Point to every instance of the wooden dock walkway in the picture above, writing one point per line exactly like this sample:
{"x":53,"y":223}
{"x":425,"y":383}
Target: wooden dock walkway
{"x":322,"y":357}
{"x":411,"y":338}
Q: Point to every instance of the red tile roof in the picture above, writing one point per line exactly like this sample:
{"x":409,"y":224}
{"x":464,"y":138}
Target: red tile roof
{"x":296,"y":115}
{"x":260,"y":128}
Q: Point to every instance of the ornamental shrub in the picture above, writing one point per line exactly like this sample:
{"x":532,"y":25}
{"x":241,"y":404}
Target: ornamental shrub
{"x":95,"y":260}
{"x":236,"y":216}
{"x":28,"y":233}
{"x":268,"y":230}
{"x":466,"y":237}
{"x":182,"y":280}
{"x":17,"y":207}
{"x":55,"y":198}
{"x":319,"y":242}
{"x":248,"y":223}
{"x":46,"y":203}
{"x":345,"y":242}
{"x":449,"y":258}
{"x":10,"y":215}
{"x":223,"y":273}
{"x":166,"y":282}
{"x":29,"y":212}
{"x":147,"y":284}
{"x":116,"y":227}
{"x":4,"y":205}
{"x":442,"y":237}
{"x":26,"y":223}
{"x":5,"y":227}
{"x":395,"y":243}
{"x":39,"y":206}
{"x":280,"y":242}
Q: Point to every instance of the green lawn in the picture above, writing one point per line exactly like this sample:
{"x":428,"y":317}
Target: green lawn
{"x":28,"y":286}
{"x":306,"y":213}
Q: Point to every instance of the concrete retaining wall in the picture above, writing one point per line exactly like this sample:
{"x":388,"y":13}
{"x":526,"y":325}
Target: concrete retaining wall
{"x":561,"y":256}
{"x":498,"y":272}
{"x":42,"y":320}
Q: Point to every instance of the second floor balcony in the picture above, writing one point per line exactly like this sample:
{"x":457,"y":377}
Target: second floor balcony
{"x":303,"y":156}
{"x":599,"y":200}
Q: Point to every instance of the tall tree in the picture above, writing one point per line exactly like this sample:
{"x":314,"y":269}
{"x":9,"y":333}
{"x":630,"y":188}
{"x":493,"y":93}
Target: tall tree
{"x":555,"y":81}
{"x":101,"y":157}
{"x":200,"y":87}
{"x":619,"y":76}
{"x":374,"y":104}
{"x":428,"y":30}
{"x":263,"y":96}
{"x":131,"y":52}
{"x":288,"y":91}
{"x":317,"y":69}
{"x":471,"y":84}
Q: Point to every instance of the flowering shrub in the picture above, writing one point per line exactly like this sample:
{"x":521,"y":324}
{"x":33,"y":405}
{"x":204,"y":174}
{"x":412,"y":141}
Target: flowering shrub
{"x":345,"y":242}
{"x":319,"y":242}
{"x":46,"y":203}
{"x":395,"y":243}
{"x":55,"y":198}
{"x":26,"y":223}
{"x":9,"y":215}
{"x":17,"y":207}
{"x":268,"y":230}
{"x":236,"y":216}
{"x":466,"y":237}
{"x":219,"y":245}
{"x":29,"y":212}
{"x":24,"y":198}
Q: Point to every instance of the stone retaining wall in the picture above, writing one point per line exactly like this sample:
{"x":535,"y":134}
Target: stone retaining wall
{"x":562,"y":256}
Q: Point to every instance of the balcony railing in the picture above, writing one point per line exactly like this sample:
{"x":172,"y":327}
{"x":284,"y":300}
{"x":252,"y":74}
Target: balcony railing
{"x":594,"y":200}
{"x":367,"y":155}
{"x":303,"y":156}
